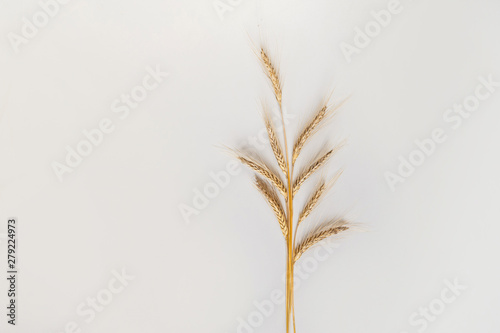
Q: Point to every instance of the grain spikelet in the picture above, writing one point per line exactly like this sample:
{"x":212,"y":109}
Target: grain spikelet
{"x":275,"y":143}
{"x":273,"y":74}
{"x":313,"y":201}
{"x":308,"y":171}
{"x":273,"y":200}
{"x":307,"y":132}
{"x":264,"y":171}
{"x":328,"y":229}
{"x":312,"y":127}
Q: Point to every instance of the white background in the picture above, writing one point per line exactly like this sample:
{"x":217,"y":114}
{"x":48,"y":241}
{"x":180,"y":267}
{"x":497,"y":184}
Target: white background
{"x":120,"y":207}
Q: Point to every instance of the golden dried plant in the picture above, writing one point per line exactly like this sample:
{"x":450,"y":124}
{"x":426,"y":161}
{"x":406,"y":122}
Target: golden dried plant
{"x":270,"y":182}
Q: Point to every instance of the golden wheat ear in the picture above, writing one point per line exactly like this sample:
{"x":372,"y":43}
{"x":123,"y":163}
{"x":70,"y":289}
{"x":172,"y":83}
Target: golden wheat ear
{"x":324,"y":231}
{"x":272,"y":73}
{"x":319,"y":118}
{"x":321,"y":189}
{"x":274,"y":201}
{"x":256,"y":164}
{"x":310,"y":169}
{"x":274,"y":141}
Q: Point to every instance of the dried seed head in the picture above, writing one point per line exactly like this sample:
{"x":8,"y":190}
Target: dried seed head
{"x":273,"y":200}
{"x":273,"y":74}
